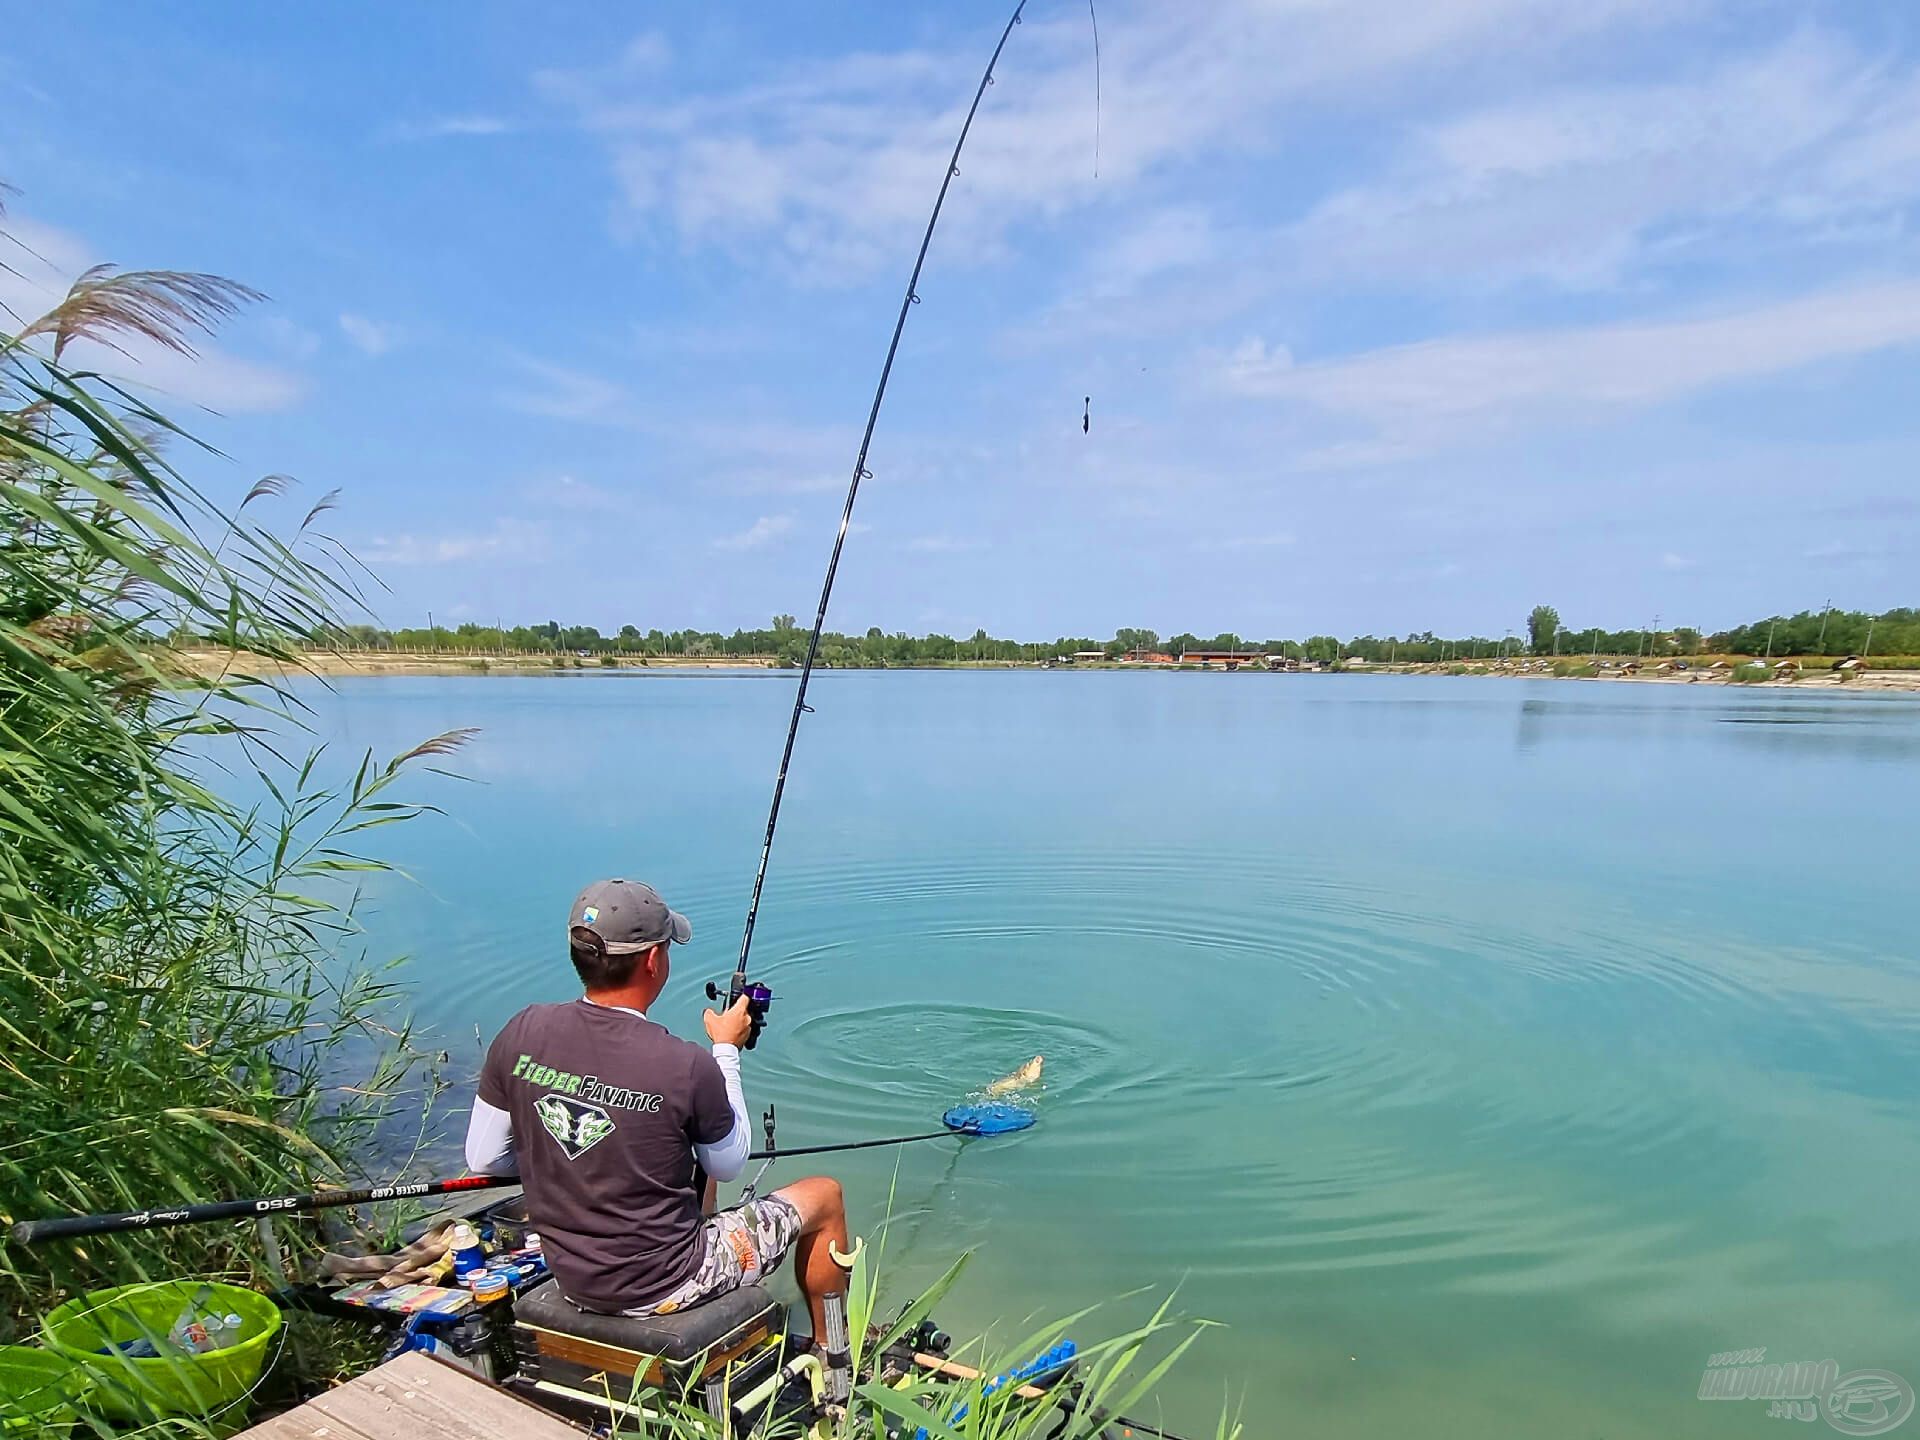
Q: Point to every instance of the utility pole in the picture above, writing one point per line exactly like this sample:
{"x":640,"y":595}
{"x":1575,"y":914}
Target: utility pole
{"x":1821,"y":644}
{"x":1868,"y":649}
{"x":1776,"y":625}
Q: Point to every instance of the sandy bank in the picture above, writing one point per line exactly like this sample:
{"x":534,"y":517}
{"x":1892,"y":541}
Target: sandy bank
{"x":396,"y":662}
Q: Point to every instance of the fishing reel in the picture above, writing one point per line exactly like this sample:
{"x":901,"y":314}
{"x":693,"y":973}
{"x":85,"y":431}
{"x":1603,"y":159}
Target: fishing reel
{"x":759,"y":1001}
{"x":929,"y":1339}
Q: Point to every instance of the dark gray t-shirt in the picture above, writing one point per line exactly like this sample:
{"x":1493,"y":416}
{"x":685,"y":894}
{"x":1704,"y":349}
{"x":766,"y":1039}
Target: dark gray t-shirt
{"x":607,"y":1108}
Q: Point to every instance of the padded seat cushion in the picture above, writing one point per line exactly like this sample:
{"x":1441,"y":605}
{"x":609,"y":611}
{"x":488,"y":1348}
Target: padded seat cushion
{"x":712,"y":1325}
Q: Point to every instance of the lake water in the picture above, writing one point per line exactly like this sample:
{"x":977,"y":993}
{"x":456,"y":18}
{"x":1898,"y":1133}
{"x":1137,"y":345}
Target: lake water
{"x":1482,"y":1054}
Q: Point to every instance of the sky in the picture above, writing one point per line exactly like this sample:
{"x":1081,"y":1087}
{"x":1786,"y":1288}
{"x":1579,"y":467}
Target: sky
{"x":1385,"y":316}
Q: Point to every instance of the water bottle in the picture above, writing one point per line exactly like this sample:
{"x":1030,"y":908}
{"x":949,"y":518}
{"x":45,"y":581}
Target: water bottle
{"x":465,"y":1247}
{"x":223,"y":1331}
{"x":189,"y":1331}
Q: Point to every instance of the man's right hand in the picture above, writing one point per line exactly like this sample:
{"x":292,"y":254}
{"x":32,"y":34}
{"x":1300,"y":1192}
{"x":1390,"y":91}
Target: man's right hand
{"x":730,"y":1027}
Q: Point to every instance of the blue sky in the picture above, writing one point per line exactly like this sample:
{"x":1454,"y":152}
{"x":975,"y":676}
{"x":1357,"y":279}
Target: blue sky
{"x":1393,"y":315}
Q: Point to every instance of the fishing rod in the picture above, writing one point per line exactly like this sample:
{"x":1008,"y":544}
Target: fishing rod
{"x":758,"y":997}
{"x":28,"y":1232}
{"x":966,"y":1121}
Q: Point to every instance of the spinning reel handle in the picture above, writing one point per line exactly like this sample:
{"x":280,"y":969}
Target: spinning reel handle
{"x":759,"y":1001}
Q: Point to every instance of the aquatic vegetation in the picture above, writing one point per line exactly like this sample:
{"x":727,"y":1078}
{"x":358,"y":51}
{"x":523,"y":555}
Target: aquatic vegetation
{"x":1117,"y":1376}
{"x":180,"y":1013}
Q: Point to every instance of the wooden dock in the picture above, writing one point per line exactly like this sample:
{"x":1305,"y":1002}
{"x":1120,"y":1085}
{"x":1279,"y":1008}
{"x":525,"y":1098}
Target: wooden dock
{"x":414,"y":1398}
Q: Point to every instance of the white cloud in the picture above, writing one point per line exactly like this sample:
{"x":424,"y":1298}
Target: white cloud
{"x":1422,"y":388}
{"x":293,"y":340}
{"x":1847,"y":554}
{"x":1354,"y":455}
{"x":508,"y":540}
{"x":42,"y":263}
{"x":647,"y":53}
{"x":828,"y":167}
{"x":763,"y":531}
{"x":451,"y":127}
{"x":1622,"y":185}
{"x":562,"y":393}
{"x":369,"y":336}
{"x":1810,"y":137}
{"x":1173,"y":238}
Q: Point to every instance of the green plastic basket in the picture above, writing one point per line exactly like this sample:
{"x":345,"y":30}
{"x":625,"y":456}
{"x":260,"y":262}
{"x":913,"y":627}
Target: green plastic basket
{"x":36,"y":1391}
{"x":177,"y":1383}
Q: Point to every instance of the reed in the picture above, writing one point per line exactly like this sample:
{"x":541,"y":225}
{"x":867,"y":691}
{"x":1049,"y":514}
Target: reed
{"x":183,"y":1011}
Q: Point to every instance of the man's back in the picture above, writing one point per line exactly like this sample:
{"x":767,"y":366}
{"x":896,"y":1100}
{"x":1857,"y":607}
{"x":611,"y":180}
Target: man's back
{"x":607,"y":1107}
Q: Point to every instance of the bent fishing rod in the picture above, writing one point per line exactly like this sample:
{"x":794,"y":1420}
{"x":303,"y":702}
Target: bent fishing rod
{"x":966,"y":1121}
{"x":758,"y":997}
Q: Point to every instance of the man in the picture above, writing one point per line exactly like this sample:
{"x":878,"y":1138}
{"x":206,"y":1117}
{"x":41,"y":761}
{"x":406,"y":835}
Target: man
{"x":604,"y":1115}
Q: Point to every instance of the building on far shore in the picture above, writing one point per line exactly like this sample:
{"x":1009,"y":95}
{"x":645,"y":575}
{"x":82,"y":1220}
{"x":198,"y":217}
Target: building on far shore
{"x":1230,"y":659}
{"x":1146,"y":657}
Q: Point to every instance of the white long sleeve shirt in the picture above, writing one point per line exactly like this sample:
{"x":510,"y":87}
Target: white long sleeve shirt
{"x":490,"y":1137}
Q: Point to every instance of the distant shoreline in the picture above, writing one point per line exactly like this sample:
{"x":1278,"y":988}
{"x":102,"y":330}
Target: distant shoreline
{"x":205,"y":662}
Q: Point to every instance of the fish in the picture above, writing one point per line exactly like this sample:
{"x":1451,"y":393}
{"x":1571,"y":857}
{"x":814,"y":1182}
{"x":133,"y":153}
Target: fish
{"x":1025,"y":1078}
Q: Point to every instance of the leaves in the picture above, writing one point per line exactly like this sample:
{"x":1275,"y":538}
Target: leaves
{"x":176,"y":1018}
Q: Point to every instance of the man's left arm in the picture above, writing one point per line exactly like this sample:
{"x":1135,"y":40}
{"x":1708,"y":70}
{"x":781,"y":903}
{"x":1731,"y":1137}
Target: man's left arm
{"x":490,"y":1126}
{"x":722,"y":1134}
{"x":490,"y":1140}
{"x":718,"y":1126}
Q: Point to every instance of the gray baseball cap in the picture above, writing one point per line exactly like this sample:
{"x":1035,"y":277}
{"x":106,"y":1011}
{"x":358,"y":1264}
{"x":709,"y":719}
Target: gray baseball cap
{"x":628,"y":917}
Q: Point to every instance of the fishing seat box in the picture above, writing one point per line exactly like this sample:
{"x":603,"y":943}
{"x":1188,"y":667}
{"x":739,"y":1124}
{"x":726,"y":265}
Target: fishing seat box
{"x":557,"y":1342}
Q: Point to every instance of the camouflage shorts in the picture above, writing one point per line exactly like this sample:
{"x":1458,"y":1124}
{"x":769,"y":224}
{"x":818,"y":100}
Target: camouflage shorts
{"x":742,"y":1246}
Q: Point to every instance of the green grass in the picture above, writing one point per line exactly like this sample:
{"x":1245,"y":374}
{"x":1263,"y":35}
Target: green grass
{"x":1117,"y":1375}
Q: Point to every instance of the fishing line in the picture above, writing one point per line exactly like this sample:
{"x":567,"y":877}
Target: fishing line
{"x":1096,"y":88}
{"x":739,"y":985}
{"x":934,"y":1192}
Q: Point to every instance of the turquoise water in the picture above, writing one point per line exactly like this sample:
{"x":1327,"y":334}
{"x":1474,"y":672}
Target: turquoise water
{"x":1483,"y":1054}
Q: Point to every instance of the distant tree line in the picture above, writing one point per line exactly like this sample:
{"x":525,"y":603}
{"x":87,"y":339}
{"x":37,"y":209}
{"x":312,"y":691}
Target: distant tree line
{"x":1811,"y":632}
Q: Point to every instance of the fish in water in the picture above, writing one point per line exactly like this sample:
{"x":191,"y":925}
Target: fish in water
{"x":1025,"y":1078}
